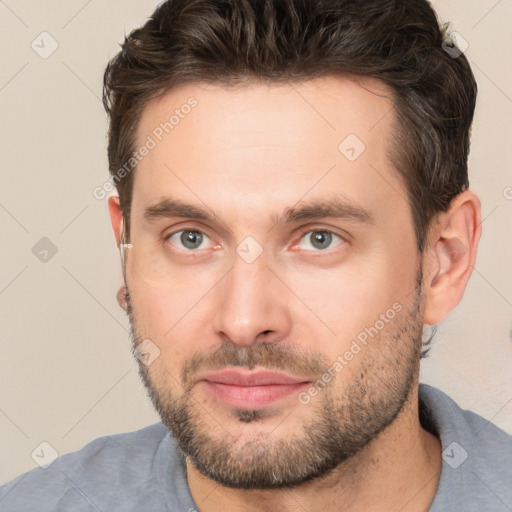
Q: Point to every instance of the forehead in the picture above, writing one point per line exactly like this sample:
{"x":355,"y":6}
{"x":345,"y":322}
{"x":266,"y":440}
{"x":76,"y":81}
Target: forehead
{"x":324,"y":108}
{"x":244,"y":145}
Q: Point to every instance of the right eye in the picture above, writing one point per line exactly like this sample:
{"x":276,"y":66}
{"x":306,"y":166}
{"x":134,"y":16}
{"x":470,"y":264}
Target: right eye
{"x":189,"y":240}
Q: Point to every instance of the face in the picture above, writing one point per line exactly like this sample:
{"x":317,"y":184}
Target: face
{"x":273,"y":278}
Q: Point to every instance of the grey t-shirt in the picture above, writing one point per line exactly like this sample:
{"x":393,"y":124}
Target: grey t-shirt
{"x":144,"y":470}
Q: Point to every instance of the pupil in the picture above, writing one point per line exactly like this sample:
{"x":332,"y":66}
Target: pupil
{"x":321,"y":239}
{"x":191,"y":239}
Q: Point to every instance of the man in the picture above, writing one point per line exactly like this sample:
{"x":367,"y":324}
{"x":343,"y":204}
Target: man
{"x":293,"y":211}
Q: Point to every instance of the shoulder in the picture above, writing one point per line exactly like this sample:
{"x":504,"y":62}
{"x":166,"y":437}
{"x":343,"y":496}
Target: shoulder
{"x":452,"y":422}
{"x":477,"y":455}
{"x":102,"y":468}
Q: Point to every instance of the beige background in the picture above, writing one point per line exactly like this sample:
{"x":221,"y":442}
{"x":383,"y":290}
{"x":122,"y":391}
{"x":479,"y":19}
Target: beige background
{"x":66,"y":372}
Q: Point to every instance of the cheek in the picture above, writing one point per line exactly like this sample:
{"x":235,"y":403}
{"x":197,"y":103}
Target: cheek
{"x":342,"y":297}
{"x":340,"y":303}
{"x":162,"y":315}
{"x":165,"y":304}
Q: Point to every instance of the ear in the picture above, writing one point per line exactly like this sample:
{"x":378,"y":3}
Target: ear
{"x":116,"y":217}
{"x":450,"y":256}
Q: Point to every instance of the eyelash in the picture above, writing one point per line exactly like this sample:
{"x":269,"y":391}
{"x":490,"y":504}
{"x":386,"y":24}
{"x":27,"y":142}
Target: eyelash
{"x":319,"y":252}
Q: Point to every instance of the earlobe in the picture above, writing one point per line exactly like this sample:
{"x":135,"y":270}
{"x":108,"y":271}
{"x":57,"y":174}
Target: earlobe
{"x":122,"y":298}
{"x":452,"y":255}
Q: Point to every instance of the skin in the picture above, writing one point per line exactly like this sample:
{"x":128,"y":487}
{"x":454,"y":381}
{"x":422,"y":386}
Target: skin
{"x":247,"y":155}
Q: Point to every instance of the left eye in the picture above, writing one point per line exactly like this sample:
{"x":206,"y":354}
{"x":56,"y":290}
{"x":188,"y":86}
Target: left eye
{"x":189,"y":239}
{"x":319,"y":240}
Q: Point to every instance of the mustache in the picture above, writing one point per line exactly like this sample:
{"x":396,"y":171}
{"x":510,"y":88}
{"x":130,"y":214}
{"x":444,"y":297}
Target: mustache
{"x":271,"y":356}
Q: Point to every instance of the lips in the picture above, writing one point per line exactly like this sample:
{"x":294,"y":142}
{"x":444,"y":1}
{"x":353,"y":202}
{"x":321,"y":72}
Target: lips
{"x":250,"y":390}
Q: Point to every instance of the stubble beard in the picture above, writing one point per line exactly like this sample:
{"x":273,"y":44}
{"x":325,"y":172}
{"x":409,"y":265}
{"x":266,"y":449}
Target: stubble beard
{"x":341,"y":424}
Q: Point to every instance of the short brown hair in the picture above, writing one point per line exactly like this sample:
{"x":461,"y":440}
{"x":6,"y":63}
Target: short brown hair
{"x":399,"y":42}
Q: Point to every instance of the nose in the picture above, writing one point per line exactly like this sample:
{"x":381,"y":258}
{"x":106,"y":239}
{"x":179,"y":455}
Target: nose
{"x":251,"y":305}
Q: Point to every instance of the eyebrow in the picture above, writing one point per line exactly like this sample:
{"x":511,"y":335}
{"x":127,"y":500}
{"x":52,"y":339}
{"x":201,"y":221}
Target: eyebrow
{"x":329,"y":208}
{"x":167,"y":208}
{"x":333,"y":208}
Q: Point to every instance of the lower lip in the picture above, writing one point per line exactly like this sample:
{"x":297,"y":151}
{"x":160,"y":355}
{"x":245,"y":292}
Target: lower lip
{"x":252,"y":397}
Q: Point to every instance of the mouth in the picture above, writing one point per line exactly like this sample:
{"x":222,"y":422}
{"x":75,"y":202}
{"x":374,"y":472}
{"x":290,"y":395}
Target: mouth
{"x":252,"y":390}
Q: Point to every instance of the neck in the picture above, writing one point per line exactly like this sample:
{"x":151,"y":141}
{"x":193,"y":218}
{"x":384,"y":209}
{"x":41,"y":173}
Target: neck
{"x":398,"y":470}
